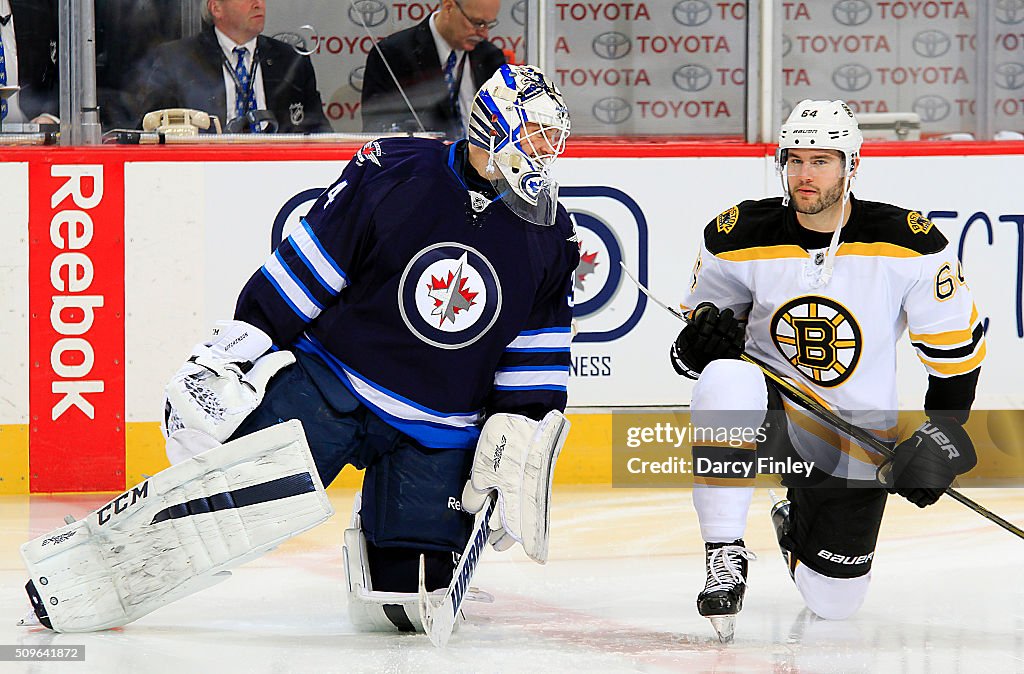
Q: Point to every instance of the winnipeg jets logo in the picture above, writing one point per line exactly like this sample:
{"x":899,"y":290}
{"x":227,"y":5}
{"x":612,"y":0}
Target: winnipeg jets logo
{"x":371,"y":151}
{"x":449,"y":295}
{"x":587,"y":266}
{"x":596,"y":277}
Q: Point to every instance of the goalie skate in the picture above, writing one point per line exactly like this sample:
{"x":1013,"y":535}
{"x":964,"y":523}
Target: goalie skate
{"x":722,"y":597}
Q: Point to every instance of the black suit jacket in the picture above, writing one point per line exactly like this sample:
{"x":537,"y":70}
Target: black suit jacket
{"x":413,"y":57}
{"x":35,"y":32}
{"x":188,"y":73}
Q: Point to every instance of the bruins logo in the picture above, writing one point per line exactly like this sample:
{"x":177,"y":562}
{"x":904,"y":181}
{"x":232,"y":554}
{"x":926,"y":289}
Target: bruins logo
{"x":727,"y":220}
{"x":819,"y":337}
{"x":918,"y":223}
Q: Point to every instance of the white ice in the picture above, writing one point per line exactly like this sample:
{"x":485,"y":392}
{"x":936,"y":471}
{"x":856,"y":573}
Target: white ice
{"x":617,"y":595}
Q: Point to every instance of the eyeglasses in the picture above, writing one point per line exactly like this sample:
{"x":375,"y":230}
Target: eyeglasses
{"x":478,"y":24}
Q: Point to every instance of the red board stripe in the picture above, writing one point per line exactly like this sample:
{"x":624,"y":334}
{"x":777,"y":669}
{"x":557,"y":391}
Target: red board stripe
{"x":76,"y":326}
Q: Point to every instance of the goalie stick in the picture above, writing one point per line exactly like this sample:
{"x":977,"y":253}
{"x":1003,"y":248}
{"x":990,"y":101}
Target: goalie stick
{"x":439,"y":619}
{"x":829,"y":417}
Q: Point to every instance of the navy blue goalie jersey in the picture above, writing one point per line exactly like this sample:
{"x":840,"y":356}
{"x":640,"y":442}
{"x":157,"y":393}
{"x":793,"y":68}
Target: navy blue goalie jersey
{"x":430,"y":314}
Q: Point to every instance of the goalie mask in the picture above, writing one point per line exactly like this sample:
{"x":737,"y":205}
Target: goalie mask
{"x":520,"y":118}
{"x":821,"y":125}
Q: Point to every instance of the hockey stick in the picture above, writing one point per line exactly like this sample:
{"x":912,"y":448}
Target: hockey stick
{"x":828,"y":416}
{"x":394,"y":78}
{"x":439,"y":619}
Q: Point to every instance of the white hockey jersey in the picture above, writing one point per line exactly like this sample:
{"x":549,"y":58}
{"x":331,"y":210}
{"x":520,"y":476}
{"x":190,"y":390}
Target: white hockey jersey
{"x":893,"y":272}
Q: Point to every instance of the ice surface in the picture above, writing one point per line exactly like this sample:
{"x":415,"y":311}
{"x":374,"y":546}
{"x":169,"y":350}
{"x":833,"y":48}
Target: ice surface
{"x":617,"y":595}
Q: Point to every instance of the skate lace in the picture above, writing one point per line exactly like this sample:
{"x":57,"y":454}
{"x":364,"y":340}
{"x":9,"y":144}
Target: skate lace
{"x":724,"y":571}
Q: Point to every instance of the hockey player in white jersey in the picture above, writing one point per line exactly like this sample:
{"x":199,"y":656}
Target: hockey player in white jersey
{"x":821,"y":285}
{"x":417,"y":324}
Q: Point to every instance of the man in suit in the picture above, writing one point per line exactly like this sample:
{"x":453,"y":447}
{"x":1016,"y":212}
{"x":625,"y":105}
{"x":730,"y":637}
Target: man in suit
{"x":230,"y":70}
{"x":28,"y":59}
{"x":440,"y":63}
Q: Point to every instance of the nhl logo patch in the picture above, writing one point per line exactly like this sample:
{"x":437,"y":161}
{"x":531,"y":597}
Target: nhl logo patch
{"x":727,"y":220}
{"x":449,"y":295}
{"x":918,"y":223}
{"x":296,"y":113}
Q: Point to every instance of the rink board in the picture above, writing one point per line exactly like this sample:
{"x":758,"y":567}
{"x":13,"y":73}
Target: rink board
{"x":117,"y":260}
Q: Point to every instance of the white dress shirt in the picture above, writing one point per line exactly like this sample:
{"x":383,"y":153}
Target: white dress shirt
{"x":228,"y":45}
{"x":467,"y":91}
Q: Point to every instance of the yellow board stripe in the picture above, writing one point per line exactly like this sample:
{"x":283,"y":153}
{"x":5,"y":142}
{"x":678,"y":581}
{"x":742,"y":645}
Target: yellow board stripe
{"x":958,"y":368}
{"x":14,"y":459}
{"x":723,"y":481}
{"x":726,"y":444}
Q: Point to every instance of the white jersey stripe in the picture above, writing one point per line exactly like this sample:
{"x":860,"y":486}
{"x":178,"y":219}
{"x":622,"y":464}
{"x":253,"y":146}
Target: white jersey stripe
{"x":532,"y":377}
{"x":326,"y":269}
{"x":291,"y":288}
{"x":541,"y":340}
{"x":397,"y":408}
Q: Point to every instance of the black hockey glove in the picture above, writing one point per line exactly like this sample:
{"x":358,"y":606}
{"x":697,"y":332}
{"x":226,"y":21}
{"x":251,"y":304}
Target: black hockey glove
{"x":708,"y":336}
{"x":927,"y":462}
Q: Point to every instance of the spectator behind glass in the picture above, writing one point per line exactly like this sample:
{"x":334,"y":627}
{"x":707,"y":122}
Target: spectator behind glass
{"x":215,"y":72}
{"x":440,"y":64}
{"x":28,"y":32}
{"x":126,"y":33}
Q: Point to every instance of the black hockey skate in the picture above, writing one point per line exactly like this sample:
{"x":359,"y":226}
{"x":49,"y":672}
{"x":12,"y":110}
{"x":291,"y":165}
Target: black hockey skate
{"x":783,"y":528}
{"x":722,"y":597}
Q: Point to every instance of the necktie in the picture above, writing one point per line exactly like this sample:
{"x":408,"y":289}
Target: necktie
{"x":3,"y":78}
{"x":453,"y":92}
{"x":242,"y":74}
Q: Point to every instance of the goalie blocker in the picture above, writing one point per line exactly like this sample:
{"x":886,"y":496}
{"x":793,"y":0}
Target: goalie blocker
{"x":176,"y":533}
{"x":516,"y":456}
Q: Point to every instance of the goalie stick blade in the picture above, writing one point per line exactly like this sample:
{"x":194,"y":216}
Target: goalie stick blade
{"x":439,"y":619}
{"x":434,"y":618}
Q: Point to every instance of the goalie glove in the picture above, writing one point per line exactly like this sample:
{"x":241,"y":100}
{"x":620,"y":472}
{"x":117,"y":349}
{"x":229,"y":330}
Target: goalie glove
{"x":927,"y":462}
{"x":515,"y":456}
{"x":222,"y":382}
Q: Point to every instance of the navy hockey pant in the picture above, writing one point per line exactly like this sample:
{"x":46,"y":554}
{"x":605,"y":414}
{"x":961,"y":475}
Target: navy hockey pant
{"x":411,"y":493}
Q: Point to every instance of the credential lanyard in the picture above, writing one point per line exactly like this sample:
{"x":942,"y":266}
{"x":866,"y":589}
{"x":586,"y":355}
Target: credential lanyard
{"x":238,"y":84}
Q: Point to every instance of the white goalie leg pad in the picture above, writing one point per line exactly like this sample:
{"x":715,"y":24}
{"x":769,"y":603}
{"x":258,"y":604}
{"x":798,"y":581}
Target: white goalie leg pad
{"x":516,"y":456}
{"x":370,"y":610}
{"x":177,"y":532}
{"x":212,"y":392}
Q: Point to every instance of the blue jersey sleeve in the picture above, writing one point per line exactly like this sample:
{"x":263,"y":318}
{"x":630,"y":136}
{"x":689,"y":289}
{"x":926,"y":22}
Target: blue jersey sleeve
{"x":311,"y":267}
{"x":533,"y":373}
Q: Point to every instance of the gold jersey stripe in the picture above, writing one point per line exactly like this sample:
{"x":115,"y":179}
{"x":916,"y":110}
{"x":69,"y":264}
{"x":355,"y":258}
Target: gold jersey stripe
{"x":802,"y":419}
{"x":788,"y":251}
{"x":963,"y":367}
{"x":764,"y":253}
{"x":950,"y":337}
{"x":879,"y":249}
